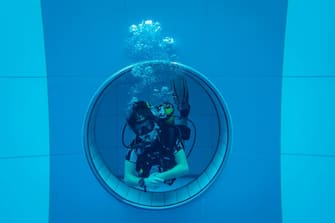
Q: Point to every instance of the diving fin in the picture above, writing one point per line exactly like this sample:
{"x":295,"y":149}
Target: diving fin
{"x":180,"y":93}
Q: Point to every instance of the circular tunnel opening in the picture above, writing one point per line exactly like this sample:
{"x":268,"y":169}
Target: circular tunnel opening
{"x":106,"y":134}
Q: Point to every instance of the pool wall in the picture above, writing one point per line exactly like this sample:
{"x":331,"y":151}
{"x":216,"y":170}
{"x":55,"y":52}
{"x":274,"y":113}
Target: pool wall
{"x":278,"y":82}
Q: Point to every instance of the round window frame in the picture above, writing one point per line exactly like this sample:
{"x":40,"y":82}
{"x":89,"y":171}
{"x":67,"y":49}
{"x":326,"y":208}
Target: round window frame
{"x":151,"y":199}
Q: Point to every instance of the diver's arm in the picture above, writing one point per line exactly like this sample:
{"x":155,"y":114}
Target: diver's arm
{"x":180,"y":169}
{"x":131,"y":179}
{"x":130,"y":173}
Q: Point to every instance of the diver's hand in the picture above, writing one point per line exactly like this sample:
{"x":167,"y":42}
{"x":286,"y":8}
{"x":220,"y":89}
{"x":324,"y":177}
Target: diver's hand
{"x":153,"y":181}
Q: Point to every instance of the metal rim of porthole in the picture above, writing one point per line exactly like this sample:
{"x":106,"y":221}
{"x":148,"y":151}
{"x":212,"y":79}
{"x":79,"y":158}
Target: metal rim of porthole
{"x":167,"y":199}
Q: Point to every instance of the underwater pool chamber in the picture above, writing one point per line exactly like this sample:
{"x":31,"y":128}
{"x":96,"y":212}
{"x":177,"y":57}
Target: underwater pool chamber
{"x":218,"y":148}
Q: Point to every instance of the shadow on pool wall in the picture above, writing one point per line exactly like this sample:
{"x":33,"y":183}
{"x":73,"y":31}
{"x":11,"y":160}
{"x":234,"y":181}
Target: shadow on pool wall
{"x":238,"y":45}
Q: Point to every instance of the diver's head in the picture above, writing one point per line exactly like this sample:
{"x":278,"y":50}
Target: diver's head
{"x":142,"y":121}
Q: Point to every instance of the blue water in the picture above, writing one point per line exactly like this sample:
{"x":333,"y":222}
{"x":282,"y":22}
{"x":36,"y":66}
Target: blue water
{"x":237,"y":47}
{"x":237,"y":44}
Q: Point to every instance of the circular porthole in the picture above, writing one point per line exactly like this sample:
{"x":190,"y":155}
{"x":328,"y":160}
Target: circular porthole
{"x":105,"y":132}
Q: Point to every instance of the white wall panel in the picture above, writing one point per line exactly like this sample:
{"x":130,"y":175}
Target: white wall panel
{"x":24,"y":193}
{"x":308,"y":122}
{"x":24,"y":129}
{"x":308,"y":189}
{"x":21,"y":39}
{"x":310,"y":34}
{"x":24,"y":117}
{"x":308,"y":108}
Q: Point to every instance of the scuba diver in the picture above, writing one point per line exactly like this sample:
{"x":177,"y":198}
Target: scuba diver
{"x":157,"y":154}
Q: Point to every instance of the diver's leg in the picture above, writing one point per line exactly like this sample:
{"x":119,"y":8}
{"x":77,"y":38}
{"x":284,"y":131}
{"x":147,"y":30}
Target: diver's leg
{"x":181,"y":96}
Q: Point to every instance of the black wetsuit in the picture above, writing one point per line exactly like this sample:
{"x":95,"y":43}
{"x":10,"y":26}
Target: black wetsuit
{"x":158,"y":155}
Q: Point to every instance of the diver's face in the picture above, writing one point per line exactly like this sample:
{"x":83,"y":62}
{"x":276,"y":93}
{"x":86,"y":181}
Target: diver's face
{"x":146,"y":130}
